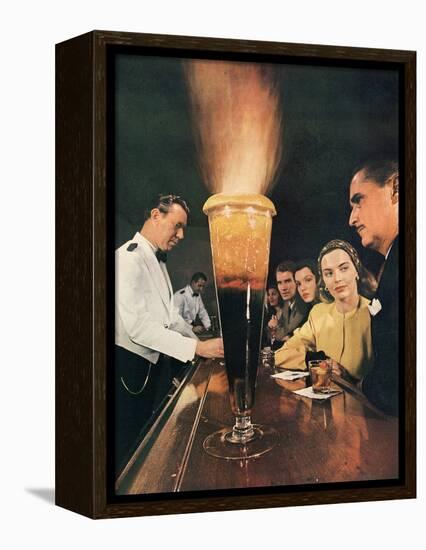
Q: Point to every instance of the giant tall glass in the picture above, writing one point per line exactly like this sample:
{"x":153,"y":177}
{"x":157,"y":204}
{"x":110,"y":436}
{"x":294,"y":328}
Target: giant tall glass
{"x":240,"y":234}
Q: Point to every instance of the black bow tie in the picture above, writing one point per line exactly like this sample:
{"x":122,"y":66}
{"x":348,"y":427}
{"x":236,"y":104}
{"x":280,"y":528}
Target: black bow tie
{"x":161,"y":256}
{"x":195,"y":294}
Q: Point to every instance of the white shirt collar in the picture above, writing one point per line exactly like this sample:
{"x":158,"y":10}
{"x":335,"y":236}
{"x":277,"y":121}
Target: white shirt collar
{"x":188,"y":288}
{"x":140,"y":238}
{"x":389,"y":249}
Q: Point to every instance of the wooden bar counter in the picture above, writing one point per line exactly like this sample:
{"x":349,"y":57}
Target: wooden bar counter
{"x":340,"y":439}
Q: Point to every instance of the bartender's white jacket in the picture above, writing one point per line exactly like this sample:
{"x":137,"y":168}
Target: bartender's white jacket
{"x":146,"y":321}
{"x":189,"y":306}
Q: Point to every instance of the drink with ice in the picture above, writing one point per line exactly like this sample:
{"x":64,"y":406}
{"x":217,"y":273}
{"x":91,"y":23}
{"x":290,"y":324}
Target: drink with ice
{"x":320,"y":371}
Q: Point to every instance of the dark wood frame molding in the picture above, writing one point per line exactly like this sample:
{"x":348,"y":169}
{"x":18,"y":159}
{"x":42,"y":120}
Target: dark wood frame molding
{"x":81,"y":274}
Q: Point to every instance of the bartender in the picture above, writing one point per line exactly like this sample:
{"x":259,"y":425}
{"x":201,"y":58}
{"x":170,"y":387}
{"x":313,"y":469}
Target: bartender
{"x":190,"y":304}
{"x":150,"y":335}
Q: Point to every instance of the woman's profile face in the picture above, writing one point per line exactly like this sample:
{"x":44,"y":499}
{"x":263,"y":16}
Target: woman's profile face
{"x":306,"y":284}
{"x":339,"y":275}
{"x":273,"y":297}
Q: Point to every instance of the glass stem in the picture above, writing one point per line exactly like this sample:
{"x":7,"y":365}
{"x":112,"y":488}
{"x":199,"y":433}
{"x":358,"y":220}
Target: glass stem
{"x":243,"y":430}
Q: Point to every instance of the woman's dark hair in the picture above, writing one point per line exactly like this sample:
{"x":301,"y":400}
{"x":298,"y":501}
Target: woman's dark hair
{"x":310,"y":264}
{"x":367,"y":284}
{"x":269,"y":308}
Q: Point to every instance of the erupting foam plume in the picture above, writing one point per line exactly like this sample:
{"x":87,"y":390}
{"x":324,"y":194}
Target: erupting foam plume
{"x":237,"y":122}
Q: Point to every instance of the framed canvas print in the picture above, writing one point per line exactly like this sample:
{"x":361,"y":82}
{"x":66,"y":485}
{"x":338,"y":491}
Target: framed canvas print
{"x":235,"y":229}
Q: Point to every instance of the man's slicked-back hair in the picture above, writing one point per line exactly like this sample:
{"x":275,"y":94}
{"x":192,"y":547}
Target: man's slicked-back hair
{"x":164,"y":202}
{"x":287,"y":265}
{"x":379,"y":170}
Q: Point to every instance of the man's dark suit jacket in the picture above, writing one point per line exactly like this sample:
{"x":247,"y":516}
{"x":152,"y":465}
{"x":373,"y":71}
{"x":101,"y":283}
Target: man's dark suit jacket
{"x":290,"y":321}
{"x":381,"y":384}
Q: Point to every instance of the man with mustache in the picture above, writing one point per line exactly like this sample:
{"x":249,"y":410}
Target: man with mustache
{"x":149,"y":333}
{"x":374,"y":199}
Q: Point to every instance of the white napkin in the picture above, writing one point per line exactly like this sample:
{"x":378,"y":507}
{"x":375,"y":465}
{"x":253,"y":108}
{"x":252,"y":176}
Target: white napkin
{"x":308,"y":392}
{"x":290,"y":375}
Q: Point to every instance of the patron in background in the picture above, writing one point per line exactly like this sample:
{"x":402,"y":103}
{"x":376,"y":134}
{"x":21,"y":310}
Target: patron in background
{"x":340,"y":327}
{"x":306,"y":277}
{"x":294,"y":310}
{"x":274,"y":308}
{"x":374,"y":199}
{"x":190,"y":305}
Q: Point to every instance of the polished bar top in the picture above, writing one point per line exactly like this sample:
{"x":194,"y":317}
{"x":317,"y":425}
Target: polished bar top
{"x":340,"y":439}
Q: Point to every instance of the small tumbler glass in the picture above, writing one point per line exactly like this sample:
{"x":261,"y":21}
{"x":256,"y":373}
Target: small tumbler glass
{"x":320,"y":371}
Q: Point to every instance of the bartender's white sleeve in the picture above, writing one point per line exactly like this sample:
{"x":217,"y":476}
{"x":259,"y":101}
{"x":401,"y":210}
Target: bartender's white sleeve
{"x":204,"y":316}
{"x":144,"y":316}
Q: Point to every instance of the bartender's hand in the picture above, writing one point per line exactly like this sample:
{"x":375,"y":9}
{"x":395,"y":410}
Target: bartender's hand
{"x":198,"y":329}
{"x":210,"y":348}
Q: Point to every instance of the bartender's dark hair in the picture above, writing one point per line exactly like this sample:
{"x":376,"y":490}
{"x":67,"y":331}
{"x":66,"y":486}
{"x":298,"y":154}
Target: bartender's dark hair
{"x":164,"y":202}
{"x":197,"y":276}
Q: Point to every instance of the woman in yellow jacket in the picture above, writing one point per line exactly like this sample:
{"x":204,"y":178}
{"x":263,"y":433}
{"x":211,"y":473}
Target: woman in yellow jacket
{"x":340,"y":327}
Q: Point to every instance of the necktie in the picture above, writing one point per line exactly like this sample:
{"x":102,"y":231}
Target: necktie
{"x":161,"y":256}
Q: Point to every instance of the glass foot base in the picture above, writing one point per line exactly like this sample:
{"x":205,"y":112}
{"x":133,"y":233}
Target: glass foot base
{"x":219,"y":444}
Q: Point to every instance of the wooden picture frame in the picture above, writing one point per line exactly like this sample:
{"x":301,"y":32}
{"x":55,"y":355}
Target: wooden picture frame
{"x":84,"y":227}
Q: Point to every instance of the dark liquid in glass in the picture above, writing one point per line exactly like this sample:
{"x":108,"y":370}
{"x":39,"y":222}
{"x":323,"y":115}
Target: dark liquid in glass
{"x":241,"y":336}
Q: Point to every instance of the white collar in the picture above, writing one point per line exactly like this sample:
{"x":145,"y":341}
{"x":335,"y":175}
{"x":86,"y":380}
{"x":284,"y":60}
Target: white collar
{"x":140,"y":238}
{"x":188,"y":288}
{"x":389,"y":249}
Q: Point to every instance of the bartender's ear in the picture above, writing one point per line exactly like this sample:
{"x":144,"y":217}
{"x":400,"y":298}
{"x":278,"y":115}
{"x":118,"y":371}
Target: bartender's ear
{"x":155,"y":214}
{"x":395,"y":188}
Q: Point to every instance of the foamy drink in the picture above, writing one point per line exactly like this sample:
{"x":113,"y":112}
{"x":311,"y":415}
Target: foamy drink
{"x":240,"y":232}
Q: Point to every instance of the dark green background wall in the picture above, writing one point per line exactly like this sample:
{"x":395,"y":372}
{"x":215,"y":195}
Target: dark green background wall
{"x":333,"y":118}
